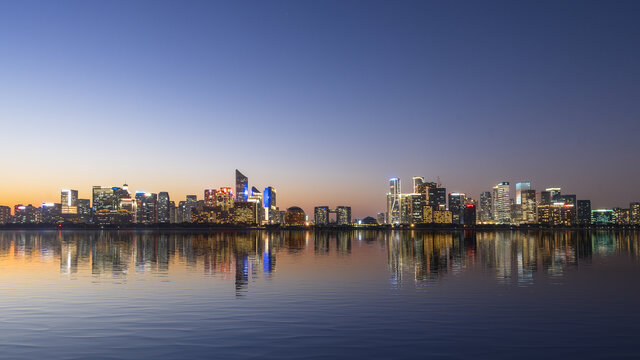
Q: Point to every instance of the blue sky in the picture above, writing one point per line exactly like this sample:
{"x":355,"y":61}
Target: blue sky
{"x":323,"y":100}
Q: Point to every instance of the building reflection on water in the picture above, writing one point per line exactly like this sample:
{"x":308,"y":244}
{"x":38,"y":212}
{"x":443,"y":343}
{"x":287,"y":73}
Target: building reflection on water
{"x":414,"y":257}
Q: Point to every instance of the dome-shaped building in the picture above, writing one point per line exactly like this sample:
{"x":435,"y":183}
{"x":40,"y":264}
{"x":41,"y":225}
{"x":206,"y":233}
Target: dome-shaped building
{"x":369,"y":221}
{"x":294,"y":216}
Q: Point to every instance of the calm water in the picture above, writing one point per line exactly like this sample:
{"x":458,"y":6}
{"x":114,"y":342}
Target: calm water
{"x":361,"y":294}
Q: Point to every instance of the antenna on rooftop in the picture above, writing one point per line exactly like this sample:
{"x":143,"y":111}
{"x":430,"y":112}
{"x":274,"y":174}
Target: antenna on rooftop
{"x":438,"y":183}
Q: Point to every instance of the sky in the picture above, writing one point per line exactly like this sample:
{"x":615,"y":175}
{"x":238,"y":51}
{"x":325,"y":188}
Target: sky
{"x":324,"y":100}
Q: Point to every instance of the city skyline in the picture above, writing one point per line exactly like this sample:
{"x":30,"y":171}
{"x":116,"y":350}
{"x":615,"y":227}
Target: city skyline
{"x":163,"y":96}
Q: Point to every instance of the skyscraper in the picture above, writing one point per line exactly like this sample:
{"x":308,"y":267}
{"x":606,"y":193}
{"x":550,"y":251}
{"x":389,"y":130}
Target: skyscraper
{"x":521,"y":186}
{"x":104,"y":199}
{"x":5,"y":215}
{"x":584,"y":212}
{"x":164,"y":208}
{"x":554,"y":193}
{"x":634,"y":207}
{"x":343,"y":215}
{"x":242,"y":187}
{"x":393,"y":201}
{"x":457,"y":202}
{"x":486,"y":207}
{"x":271,"y":212}
{"x":469,"y":215}
{"x":417,"y":183}
{"x":69,"y":202}
{"x":501,"y":203}
{"x":528,"y":206}
{"x":321,"y":215}
{"x":438,"y":198}
{"x":147,"y":207}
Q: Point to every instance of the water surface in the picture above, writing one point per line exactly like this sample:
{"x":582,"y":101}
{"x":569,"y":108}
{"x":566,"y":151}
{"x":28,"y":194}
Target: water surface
{"x":319,"y":295}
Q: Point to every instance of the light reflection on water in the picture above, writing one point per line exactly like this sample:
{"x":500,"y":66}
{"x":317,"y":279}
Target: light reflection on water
{"x":305,"y":294}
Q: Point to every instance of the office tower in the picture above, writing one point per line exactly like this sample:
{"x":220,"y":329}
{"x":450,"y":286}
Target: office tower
{"x":486,"y":207}
{"x":417,"y":183}
{"x":456,"y":205}
{"x":173,"y":212}
{"x":188,"y":207}
{"x":545,"y":198}
{"x":104,"y":198}
{"x":69,"y":202}
{"x":321,"y":215}
{"x":84,"y":211}
{"x":26,"y":214}
{"x":256,"y":197}
{"x":242,"y":187}
{"x":224,"y":198}
{"x":343,"y":215}
{"x":528,"y":206}
{"x":567,"y":199}
{"x":427,"y":214}
{"x":634,"y":207}
{"x":121,"y":193}
{"x":520,"y":187}
{"x":210,"y":197}
{"x":437,"y":198}
{"x":621,"y":216}
{"x":271,"y":211}
{"x":393,"y":201}
{"x":382,"y":218}
{"x":554,"y":193}
{"x":568,"y":214}
{"x":442,"y":217}
{"x":50,"y":213}
{"x":602,"y":217}
{"x":501,"y":203}
{"x":583,"y":212}
{"x":5,"y":215}
{"x":147,"y":208}
{"x":164,"y":208}
{"x":469,"y":215}
{"x":417,"y":202}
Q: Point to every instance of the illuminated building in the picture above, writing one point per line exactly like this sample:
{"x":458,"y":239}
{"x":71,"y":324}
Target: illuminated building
{"x":442,"y":217}
{"x":602,"y":217}
{"x":164,"y":208}
{"x":50,"y":213}
{"x":545,"y":198}
{"x":343,"y":215}
{"x":185,"y":208}
{"x":501,"y":203}
{"x":417,"y":202}
{"x":456,"y":205}
{"x":520,"y":187}
{"x":210,"y":197}
{"x":26,"y":214}
{"x":130,"y":206}
{"x":381,"y":218}
{"x":224,"y":198}
{"x":69,"y":202}
{"x":244,"y":213}
{"x":321,"y":215}
{"x":427,"y":214}
{"x":5,"y":215}
{"x":528,"y":206}
{"x":622,"y":216}
{"x":294,"y":216}
{"x":469,"y":215}
{"x":146,"y":208}
{"x":554,"y":193}
{"x":256,"y":197}
{"x":393,"y":201}
{"x":634,"y":207}
{"x":405,"y":208}
{"x":242,"y":187}
{"x":583,"y":213}
{"x":84,"y":211}
{"x":418,"y":181}
{"x":544,"y":214}
{"x":104,"y":198}
{"x":486,"y":206}
{"x":567,"y":199}
{"x":568,"y":214}
{"x":438,"y":198}
{"x":173,"y":212}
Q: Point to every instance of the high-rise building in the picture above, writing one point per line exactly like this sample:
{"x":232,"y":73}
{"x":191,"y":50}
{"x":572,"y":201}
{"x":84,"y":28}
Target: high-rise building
{"x":210,"y":197}
{"x":343,"y":215}
{"x":438,"y":198}
{"x":567,"y":199}
{"x":394,"y":208}
{"x":69,"y":202}
{"x":26,"y":214}
{"x":242,"y":187}
{"x":417,"y":202}
{"x":164,"y":208}
{"x":173,"y":212}
{"x":50,"y":213}
{"x":271,"y":211}
{"x":528,"y":206}
{"x":545,"y":198}
{"x":321,"y":215}
{"x":457,"y":203}
{"x":104,"y":198}
{"x":501,"y":203}
{"x":622,"y":216}
{"x":224,"y":198}
{"x":554,"y":193}
{"x":469,"y":215}
{"x":382,"y":218}
{"x":256,"y":197}
{"x":5,"y":215}
{"x":583,"y":213}
{"x":147,"y":207}
{"x":486,"y":207}
{"x":417,"y":183}
{"x":84,"y":211}
{"x":520,"y":187}
{"x":634,"y":207}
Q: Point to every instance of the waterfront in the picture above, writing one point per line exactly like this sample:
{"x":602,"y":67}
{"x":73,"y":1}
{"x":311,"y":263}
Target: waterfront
{"x":306,"y":294}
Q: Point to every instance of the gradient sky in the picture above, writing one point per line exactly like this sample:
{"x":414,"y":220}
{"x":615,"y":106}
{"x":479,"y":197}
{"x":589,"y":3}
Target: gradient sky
{"x":324,"y":100}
